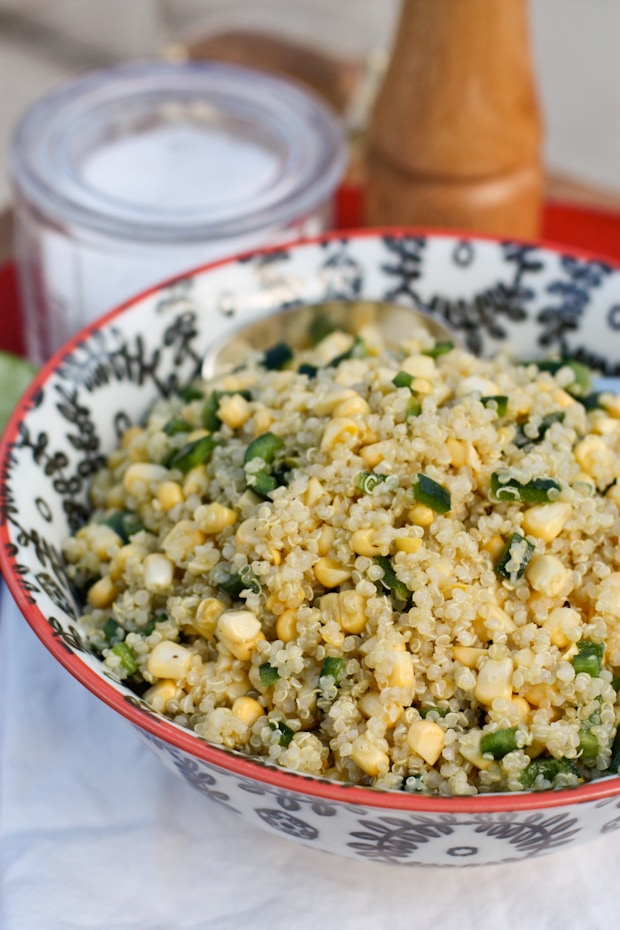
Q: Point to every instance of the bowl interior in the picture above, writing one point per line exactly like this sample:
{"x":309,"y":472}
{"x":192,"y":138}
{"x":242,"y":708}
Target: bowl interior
{"x":525,"y":298}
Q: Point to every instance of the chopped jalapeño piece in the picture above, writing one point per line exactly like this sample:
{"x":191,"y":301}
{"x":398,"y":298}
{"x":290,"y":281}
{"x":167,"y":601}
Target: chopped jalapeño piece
{"x":537,"y":491}
{"x":500,"y":401}
{"x":193,"y":454}
{"x":433,"y":495}
{"x":390,"y":581}
{"x":498,"y":743}
{"x":589,"y":658}
{"x":278,"y":356}
{"x":517,"y":550}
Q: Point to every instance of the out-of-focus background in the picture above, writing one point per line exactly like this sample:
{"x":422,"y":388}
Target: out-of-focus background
{"x":574,"y":44}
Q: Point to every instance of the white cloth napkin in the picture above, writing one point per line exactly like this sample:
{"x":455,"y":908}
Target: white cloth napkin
{"x":95,"y":833}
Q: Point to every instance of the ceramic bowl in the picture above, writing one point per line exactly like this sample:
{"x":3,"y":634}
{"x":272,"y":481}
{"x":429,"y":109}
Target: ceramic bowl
{"x":534,"y":299}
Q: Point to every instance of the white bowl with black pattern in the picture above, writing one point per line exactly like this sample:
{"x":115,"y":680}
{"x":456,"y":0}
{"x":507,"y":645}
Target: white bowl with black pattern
{"x":494,"y":294}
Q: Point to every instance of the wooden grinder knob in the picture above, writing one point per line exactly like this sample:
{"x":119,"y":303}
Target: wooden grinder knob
{"x":454,"y":137}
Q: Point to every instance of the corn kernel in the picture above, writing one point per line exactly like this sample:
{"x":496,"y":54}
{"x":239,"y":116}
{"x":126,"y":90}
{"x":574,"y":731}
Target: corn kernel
{"x":407,"y":543}
{"x":234,"y":411}
{"x":494,"y":681}
{"x":339,"y":430}
{"x":327,"y":536}
{"x":520,"y":708}
{"x":564,"y":626}
{"x":457,"y":451}
{"x":261,"y":421}
{"x":369,"y":757}
{"x":469,"y":656}
{"x":158,"y":572}
{"x":213,"y":518}
{"x":102,"y":593}
{"x":325,"y":405}
{"x":494,"y":546}
{"x":286,"y":626}
{"x":169,"y":494}
{"x":238,"y":626}
{"x":160,"y":693}
{"x":330,"y":573}
{"x":247,"y":710}
{"x":208,"y":612}
{"x":419,"y":366}
{"x":314,"y":492}
{"x":546,"y":521}
{"x":352,"y":406}
{"x":421,"y":515}
{"x":246,"y":534}
{"x":548,"y":576}
{"x":182,"y":539}
{"x":362,"y":543}
{"x":593,"y":455}
{"x":371,"y":705}
{"x":427,"y":739}
{"x":353,"y":617}
{"x":139,"y":477}
{"x":169,"y":660}
{"x":196,"y":481}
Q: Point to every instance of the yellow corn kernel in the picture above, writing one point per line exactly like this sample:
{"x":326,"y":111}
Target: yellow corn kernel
{"x":327,"y":536}
{"x":373,"y":454}
{"x":261,"y":421}
{"x":246,"y":534}
{"x":351,"y":406}
{"x":371,"y":705}
{"x":593,"y":455}
{"x":402,"y":674}
{"x":213,"y":518}
{"x":564,"y":625}
{"x":520,"y":708}
{"x":324,"y":406}
{"x":497,"y":620}
{"x":613,"y":493}
{"x":420,"y":366}
{"x":539,"y":695}
{"x":611,"y":404}
{"x":562,"y":398}
{"x":546,"y":521}
{"x":330,"y":573}
{"x":494,"y":546}
{"x":276,"y":605}
{"x":605,"y":426}
{"x":182,"y":539}
{"x":197,"y":434}
{"x":158,"y":572}
{"x":238,"y":688}
{"x":243,"y":651}
{"x":477,"y":384}
{"x":130,"y":434}
{"x":339,"y":430}
{"x":548,"y":576}
{"x":421,"y":515}
{"x":353,"y":617}
{"x":333,"y":345}
{"x":139,"y":477}
{"x":122,"y":556}
{"x":469,"y":656}
{"x":169,"y":660}
{"x":370,"y":758}
{"x":102,"y":593}
{"x":238,"y":626}
{"x":524,"y":658}
{"x":234,"y":411}
{"x":471,"y":752}
{"x":247,"y":710}
{"x":196,"y":481}
{"x":115,"y":498}
{"x":458,"y":452}
{"x":169,"y":494}
{"x":275,"y":555}
{"x":286,"y":626}
{"x":208,"y":612}
{"x":103,"y":541}
{"x":421,"y":386}
{"x":494,"y":681}
{"x":407,"y":543}
{"x":160,"y":693}
{"x":362,"y":543}
{"x":427,"y":739}
{"x":314,"y":492}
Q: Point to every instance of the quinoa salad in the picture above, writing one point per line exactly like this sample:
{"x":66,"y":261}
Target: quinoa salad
{"x":390,"y":566}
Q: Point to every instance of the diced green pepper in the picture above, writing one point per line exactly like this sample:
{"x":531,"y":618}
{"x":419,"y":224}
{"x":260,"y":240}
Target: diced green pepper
{"x":332,"y":667}
{"x":232,"y":585}
{"x":433,"y":709}
{"x":614,"y":765}
{"x":189,"y":393}
{"x":176,"y":425}
{"x":150,"y":626}
{"x":208,"y":414}
{"x":320,"y":327}
{"x":367,"y":481}
{"x":413,"y":408}
{"x":194,"y":453}
{"x":262,"y":483}
{"x":127,"y":657}
{"x":390,"y":581}
{"x":359,"y":349}
{"x":582,"y":376}
{"x":402,"y":379}
{"x":286,"y":734}
{"x":113,"y":631}
{"x":263,"y":447}
{"x":433,"y":495}
{"x":278,"y":356}
{"x":550,"y":768}
{"x":589,"y":658}
{"x":500,"y":401}
{"x":536,"y":491}
{"x":310,"y":371}
{"x":125,"y":523}
{"x":519,"y":549}
{"x":440,"y":348}
{"x":499,"y":743}
{"x":268,"y":675}
{"x":522,"y":440}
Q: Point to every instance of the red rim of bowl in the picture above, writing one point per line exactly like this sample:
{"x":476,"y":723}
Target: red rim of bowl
{"x":232,"y":762}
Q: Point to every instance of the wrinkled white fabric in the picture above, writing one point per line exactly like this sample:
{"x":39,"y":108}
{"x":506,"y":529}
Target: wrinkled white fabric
{"x":96,"y":833}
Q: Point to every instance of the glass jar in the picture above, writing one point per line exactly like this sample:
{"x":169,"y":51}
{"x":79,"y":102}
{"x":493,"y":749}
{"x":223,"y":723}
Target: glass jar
{"x":138,"y":173}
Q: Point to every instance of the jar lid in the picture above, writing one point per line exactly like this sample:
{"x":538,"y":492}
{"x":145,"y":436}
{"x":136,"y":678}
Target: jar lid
{"x":178,"y":152}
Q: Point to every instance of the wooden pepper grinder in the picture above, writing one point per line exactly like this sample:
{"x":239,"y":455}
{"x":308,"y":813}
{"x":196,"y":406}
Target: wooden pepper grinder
{"x":454,"y":137}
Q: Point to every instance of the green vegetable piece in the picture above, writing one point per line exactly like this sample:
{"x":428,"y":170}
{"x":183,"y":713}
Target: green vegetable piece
{"x":592,"y":401}
{"x":439,"y":349}
{"x":332,"y":667}
{"x":113,"y":631}
{"x":536,"y":491}
{"x":208,"y":414}
{"x":262,"y":483}
{"x":522,"y":440}
{"x":286,"y":734}
{"x":519,"y":549}
{"x":588,"y":746}
{"x":500,"y":401}
{"x":402,"y":379}
{"x":589,"y":658}
{"x":413,"y":408}
{"x":189,"y":393}
{"x":124,"y":523}
{"x":310,"y":371}
{"x":268,"y":675}
{"x":320,"y":327}
{"x":278,"y":356}
{"x":500,"y":742}
{"x":150,"y":626}
{"x":614,"y":765}
{"x":193,"y":454}
{"x":550,"y":768}
{"x":390,"y":581}
{"x":176,"y":425}
{"x":127,"y":657}
{"x":367,"y":481}
{"x":232,"y":585}
{"x":582,"y":377}
{"x":433,"y":709}
{"x":263,"y":447}
{"x":433,"y":495}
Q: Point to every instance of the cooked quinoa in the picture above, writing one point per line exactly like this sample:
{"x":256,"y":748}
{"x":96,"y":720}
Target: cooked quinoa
{"x":398,"y":567}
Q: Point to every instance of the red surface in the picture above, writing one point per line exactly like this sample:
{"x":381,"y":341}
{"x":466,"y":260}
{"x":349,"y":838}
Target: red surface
{"x":594,"y":230}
